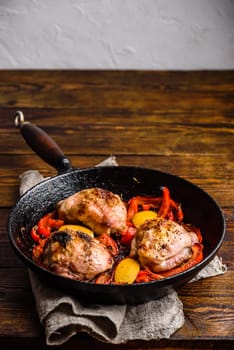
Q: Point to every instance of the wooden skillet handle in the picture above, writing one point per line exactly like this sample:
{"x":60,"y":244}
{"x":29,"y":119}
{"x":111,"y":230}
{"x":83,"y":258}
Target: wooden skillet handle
{"x":42,"y":144}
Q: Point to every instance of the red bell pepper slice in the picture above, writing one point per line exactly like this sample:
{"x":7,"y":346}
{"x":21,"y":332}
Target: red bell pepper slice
{"x":127,"y":236}
{"x":34,"y":234}
{"x":146,"y":276}
{"x":166,"y":201}
{"x":109,"y":243}
{"x":176,"y":208}
{"x":145,"y":202}
{"x":46,"y":223}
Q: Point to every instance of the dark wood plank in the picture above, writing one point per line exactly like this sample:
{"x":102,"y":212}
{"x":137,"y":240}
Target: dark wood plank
{"x":96,"y":90}
{"x":148,"y":140}
{"x":18,"y":315}
{"x":112,"y":134}
{"x":214,"y":174}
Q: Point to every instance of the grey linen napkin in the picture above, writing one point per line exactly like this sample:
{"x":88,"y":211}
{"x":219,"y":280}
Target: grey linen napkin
{"x":64,"y":315}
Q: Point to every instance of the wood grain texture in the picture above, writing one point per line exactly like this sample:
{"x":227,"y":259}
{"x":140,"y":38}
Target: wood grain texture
{"x":212,"y":174}
{"x":176,"y":122}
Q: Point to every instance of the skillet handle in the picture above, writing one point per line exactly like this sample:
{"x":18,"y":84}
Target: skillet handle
{"x":42,"y":144}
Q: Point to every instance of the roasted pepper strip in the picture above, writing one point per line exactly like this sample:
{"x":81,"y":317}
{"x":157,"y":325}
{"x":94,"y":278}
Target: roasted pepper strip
{"x":109,"y":243}
{"x":197,"y":256}
{"x":176,"y":207}
{"x":47,"y":223}
{"x":127,"y":236}
{"x":55,"y":223}
{"x":145,"y":202}
{"x":166,"y":201}
{"x":146,"y":276}
{"x":41,"y":232}
{"x":199,"y":235}
{"x":38,"y":250}
{"x":34,"y":234}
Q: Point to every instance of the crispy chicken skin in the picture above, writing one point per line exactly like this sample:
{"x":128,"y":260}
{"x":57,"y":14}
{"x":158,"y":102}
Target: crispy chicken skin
{"x":162,"y":244}
{"x":99,"y":209}
{"x":76,"y":255}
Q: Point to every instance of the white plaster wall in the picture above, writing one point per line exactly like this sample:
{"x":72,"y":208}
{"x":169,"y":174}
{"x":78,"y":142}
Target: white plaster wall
{"x":117,"y":34}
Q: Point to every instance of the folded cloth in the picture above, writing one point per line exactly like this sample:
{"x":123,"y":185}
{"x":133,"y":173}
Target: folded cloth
{"x":64,"y":315}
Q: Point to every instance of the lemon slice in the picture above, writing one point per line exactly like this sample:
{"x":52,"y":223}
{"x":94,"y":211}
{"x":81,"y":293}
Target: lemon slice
{"x":126,"y":271}
{"x":140,"y":217}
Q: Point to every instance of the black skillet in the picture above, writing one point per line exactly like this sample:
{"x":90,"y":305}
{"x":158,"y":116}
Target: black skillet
{"x":199,"y":209}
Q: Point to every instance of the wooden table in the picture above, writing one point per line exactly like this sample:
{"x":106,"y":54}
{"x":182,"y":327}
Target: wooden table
{"x":176,"y":122}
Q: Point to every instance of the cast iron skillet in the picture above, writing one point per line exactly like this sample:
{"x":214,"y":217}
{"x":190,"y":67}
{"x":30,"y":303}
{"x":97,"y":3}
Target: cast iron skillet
{"x":199,"y":209}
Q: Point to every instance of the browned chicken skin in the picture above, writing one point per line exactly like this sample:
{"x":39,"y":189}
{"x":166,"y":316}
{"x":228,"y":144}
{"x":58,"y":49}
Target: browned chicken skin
{"x":99,"y":209}
{"x":162,"y":244}
{"x":76,"y":255}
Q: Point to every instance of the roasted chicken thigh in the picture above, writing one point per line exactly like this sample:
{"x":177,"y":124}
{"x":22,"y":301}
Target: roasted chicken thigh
{"x":99,"y":209}
{"x":162,"y":244}
{"x":76,"y":255}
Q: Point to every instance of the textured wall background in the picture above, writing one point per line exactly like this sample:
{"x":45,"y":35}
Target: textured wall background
{"x":117,"y":34}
